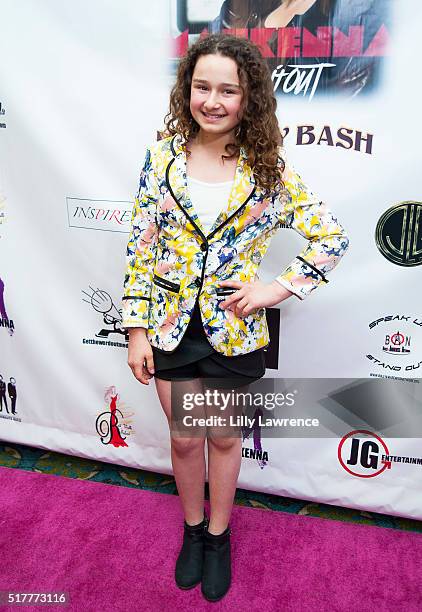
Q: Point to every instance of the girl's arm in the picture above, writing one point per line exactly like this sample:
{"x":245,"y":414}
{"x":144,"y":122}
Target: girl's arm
{"x":312,"y":219}
{"x":141,"y":249}
{"x":303,"y":211}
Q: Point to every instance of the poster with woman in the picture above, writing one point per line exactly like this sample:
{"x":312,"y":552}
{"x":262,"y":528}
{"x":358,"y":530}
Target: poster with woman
{"x":312,"y":47}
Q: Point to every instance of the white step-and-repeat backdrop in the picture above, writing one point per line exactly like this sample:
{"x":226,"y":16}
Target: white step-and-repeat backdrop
{"x":83,"y":90}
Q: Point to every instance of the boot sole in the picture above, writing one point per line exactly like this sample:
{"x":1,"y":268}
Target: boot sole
{"x":186,"y":588}
{"x":215,"y":598}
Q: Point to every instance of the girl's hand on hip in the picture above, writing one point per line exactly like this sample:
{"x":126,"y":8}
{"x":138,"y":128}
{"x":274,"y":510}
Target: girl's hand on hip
{"x":250,"y":297}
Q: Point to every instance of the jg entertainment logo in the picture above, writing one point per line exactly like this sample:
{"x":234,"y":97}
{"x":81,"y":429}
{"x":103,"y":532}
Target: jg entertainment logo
{"x":365,"y":454}
{"x":398,"y":234}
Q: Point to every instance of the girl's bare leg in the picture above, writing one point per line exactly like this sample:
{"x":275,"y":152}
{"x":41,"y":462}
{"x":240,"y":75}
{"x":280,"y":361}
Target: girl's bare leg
{"x":187,"y":456}
{"x":224,"y":459}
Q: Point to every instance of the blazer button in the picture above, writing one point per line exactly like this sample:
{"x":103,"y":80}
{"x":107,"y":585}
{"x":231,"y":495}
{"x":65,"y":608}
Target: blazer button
{"x":198,"y":282}
{"x":203,"y":246}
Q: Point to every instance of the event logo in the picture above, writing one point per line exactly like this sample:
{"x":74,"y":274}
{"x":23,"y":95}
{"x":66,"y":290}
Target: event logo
{"x":397,"y":336}
{"x":342,"y":137}
{"x":103,"y":304}
{"x":365,"y":454}
{"x":106,"y":215}
{"x":2,"y":113}
{"x":255,"y":429}
{"x":398,"y":234}
{"x":5,"y":322}
{"x":397,"y":343}
{"x":8,"y":396}
{"x":114,"y":424}
{"x":363,"y":457}
{"x":320,"y":48}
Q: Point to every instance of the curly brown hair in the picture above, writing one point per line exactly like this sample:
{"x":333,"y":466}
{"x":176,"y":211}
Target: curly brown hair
{"x":258,"y":131}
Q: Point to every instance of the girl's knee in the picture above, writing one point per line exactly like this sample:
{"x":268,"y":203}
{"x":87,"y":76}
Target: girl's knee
{"x":224,"y":443}
{"x":185,"y":446}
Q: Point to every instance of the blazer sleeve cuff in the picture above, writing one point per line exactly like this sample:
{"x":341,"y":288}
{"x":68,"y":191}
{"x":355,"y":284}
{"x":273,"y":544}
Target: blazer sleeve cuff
{"x":135,"y":311}
{"x":287,"y":285}
{"x":301,"y":278}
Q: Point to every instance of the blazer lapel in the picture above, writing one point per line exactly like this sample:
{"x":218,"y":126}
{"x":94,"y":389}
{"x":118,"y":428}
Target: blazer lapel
{"x":176,"y":176}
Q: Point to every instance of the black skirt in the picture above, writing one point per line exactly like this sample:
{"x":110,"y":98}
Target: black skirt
{"x":195,"y":346}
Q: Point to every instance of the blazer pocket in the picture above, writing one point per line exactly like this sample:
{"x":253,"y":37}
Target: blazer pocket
{"x":166,"y":284}
{"x":224,"y":292}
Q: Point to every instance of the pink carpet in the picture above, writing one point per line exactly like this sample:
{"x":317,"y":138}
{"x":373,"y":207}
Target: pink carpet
{"x":114,"y":548}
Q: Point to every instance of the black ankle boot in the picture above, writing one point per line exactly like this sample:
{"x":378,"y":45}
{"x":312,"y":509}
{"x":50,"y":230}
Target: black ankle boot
{"x":189,"y":563}
{"x":216,"y":576}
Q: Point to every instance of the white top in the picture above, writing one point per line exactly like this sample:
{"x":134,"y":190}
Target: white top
{"x":208,"y":199}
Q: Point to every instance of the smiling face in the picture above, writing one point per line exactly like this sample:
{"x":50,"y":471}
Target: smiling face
{"x":216,"y":95}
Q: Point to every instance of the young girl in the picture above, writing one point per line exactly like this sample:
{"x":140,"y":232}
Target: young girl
{"x":212,"y":193}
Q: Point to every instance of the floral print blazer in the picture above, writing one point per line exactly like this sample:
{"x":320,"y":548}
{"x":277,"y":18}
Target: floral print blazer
{"x":170,"y":260}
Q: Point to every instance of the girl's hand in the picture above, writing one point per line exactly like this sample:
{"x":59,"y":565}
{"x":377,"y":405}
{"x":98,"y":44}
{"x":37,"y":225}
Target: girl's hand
{"x":252,"y":296}
{"x":139,"y":354}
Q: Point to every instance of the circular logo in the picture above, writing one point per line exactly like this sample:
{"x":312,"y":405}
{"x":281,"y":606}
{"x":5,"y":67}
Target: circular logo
{"x":397,"y":339}
{"x":398,"y":234}
{"x":360,"y":454}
